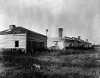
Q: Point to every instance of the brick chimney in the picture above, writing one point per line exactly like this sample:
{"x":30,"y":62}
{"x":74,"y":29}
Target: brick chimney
{"x":11,"y":27}
{"x":79,"y":37}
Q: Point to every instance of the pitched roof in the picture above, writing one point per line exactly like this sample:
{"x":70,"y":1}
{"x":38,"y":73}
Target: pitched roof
{"x":18,"y":30}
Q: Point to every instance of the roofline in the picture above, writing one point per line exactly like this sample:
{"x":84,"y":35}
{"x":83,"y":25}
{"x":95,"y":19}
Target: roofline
{"x":26,"y":30}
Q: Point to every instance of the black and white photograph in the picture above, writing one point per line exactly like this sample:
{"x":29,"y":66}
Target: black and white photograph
{"x":49,"y":39}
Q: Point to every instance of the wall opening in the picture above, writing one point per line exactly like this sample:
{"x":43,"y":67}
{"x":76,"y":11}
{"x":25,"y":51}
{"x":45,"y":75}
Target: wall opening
{"x":16,"y":43}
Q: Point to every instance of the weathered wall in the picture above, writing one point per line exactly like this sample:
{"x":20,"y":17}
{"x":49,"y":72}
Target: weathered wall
{"x":8,"y":41}
{"x":36,"y":39}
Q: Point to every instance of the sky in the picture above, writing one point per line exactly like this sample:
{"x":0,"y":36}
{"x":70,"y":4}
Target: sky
{"x":77,"y":17}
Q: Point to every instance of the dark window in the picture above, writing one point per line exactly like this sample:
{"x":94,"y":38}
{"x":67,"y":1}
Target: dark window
{"x":16,"y":43}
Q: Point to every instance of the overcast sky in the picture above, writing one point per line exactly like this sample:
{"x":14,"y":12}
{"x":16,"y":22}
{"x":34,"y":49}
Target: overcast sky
{"x":77,"y":17}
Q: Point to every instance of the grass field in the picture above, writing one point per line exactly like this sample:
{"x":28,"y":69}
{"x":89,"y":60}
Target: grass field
{"x":53,"y":65}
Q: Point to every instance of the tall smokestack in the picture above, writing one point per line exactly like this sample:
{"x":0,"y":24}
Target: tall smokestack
{"x":60,"y":33}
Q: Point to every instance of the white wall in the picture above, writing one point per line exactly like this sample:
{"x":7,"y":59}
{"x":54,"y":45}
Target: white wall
{"x":8,"y":41}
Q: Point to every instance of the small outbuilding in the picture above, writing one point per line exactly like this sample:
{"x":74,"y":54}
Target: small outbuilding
{"x":22,"y":38}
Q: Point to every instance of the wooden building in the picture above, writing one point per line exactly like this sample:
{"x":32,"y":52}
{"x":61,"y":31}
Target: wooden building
{"x":73,"y":42}
{"x":22,"y":38}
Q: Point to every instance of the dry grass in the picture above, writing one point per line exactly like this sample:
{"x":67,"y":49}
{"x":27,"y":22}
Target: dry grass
{"x":82,"y":64}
